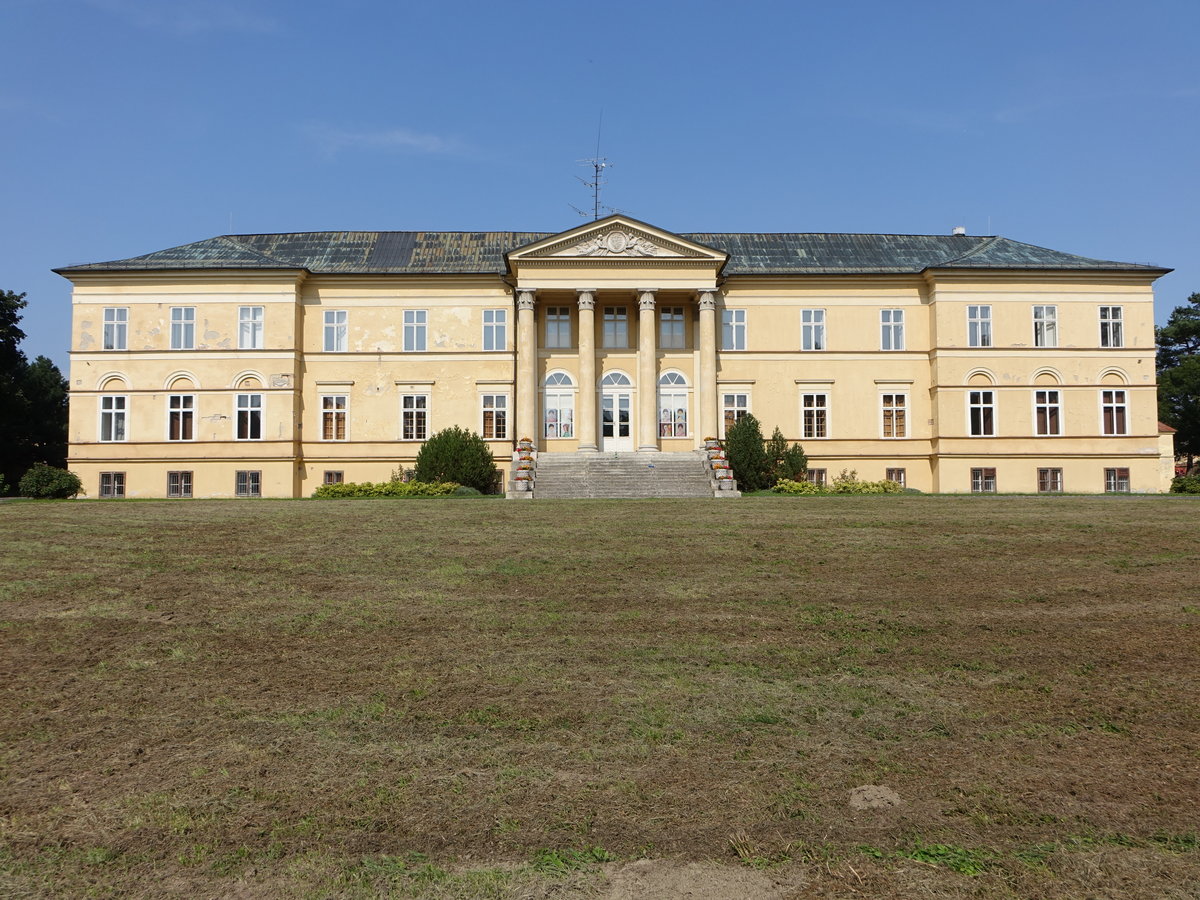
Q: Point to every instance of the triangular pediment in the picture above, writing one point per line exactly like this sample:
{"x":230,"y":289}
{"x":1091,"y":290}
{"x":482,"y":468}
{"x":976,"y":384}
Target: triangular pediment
{"x":614,"y":239}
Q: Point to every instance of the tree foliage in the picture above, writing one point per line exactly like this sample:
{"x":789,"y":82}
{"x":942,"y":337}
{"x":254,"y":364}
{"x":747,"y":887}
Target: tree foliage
{"x":786,"y":462}
{"x":1179,"y":375}
{"x":457,"y":455}
{"x":747,"y":454}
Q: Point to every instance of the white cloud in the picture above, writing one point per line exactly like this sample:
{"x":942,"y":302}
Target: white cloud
{"x":331,"y":140}
{"x":187,"y":17}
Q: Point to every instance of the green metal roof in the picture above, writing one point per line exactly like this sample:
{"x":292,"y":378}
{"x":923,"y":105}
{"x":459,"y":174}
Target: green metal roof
{"x":483,"y":252}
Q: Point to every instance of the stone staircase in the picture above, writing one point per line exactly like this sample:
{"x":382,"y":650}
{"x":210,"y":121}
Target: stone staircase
{"x":623,"y":475}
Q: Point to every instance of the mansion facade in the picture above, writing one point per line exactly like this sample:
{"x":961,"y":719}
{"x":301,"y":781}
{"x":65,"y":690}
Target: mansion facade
{"x":266,"y":365}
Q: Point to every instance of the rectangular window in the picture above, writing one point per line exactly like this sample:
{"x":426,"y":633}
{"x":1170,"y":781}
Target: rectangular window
{"x":1046,"y":413}
{"x":415,"y":322}
{"x":983,"y":481}
{"x":249,"y":417}
{"x":812,"y":329}
{"x":895,"y":415}
{"x":1112,"y":412}
{"x":814,"y":415}
{"x":816,"y":476}
{"x":616,"y":327}
{"x":495,"y":329}
{"x":333,"y":417}
{"x":891,"y":324}
{"x":179,"y":484}
{"x":248,"y":484}
{"x":735,"y":408}
{"x":495,"y":417}
{"x":112,"y":484}
{"x":112,"y":418}
{"x":670,"y":328}
{"x":733,"y":329}
{"x":979,"y":326}
{"x":1050,"y":481}
{"x":336,"y":321}
{"x":1111,"y":333}
{"x":414,"y":417}
{"x":982,"y":408}
{"x":896,"y":475}
{"x":181,"y":414}
{"x":183,"y":327}
{"x":332,"y":477}
{"x":1045,"y":326}
{"x":1116,"y":481}
{"x":558,"y":327}
{"x":116,"y":327}
{"x":250,"y":327}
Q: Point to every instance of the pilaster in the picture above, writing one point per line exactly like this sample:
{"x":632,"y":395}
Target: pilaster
{"x":708,"y":365}
{"x":647,"y":359}
{"x":526,"y":400}
{"x":585,"y":420}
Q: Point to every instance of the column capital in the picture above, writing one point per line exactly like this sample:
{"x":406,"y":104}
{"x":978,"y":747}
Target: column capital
{"x":525,"y":298}
{"x":587,"y":298}
{"x":646,"y":298}
{"x":708,"y":300}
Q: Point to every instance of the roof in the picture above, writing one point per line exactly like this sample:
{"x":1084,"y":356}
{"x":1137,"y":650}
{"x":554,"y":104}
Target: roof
{"x":1164,"y":428}
{"x":483,"y":252}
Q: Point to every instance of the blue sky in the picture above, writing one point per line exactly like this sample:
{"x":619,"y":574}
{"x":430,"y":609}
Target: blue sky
{"x":134,"y":125}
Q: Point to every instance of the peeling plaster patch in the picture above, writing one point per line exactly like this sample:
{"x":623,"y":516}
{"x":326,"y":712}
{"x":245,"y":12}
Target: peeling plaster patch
{"x":212,"y":335}
{"x":385,"y":347}
{"x":85,"y":341}
{"x":225,"y":344}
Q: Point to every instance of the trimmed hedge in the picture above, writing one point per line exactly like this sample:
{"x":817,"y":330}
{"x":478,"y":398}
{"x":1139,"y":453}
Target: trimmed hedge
{"x":386,"y":489}
{"x":846,"y":483}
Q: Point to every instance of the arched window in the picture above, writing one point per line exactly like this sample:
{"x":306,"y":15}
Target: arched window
{"x":616,"y":379}
{"x":558,"y":406}
{"x":672,"y":405}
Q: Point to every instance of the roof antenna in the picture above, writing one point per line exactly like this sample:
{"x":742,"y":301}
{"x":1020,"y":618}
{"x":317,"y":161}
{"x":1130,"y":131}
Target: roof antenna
{"x":599,"y":164}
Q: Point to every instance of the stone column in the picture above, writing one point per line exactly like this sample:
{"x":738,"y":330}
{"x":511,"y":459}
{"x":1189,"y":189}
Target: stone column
{"x":647,"y":359}
{"x":707,"y":389}
{"x":526,"y":400}
{"x":585,"y":412}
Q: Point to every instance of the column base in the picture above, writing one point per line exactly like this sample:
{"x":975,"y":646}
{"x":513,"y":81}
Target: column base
{"x":648,"y":448}
{"x":588,"y":448}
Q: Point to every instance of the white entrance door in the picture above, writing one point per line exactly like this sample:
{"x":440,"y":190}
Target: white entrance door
{"x":615,"y":431}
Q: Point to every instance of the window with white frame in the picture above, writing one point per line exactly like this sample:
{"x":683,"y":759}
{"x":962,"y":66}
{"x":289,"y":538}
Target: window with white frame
{"x":812,"y":329}
{"x":1049,"y":481}
{"x":179,"y":484}
{"x":1047,"y":413}
{"x":1113,"y":413}
{"x":183,"y":327}
{"x":249,"y":417}
{"x":112,"y":484}
{"x":558,"y":406}
{"x":250,"y":327}
{"x":814,"y":415}
{"x":495,"y":329}
{"x":671,"y":333}
{"x":558,"y":327}
{"x":181,"y":417}
{"x":334,"y":476}
{"x":1116,"y":481}
{"x":896,"y":475}
{"x":616,"y":327}
{"x":895,"y":415}
{"x":981,"y":407}
{"x":983,"y":481}
{"x":672,"y":405}
{"x":979,"y":326}
{"x":495,"y":417}
{"x":734,"y":408}
{"x":816,"y":476}
{"x":247,"y":483}
{"x":336,"y":321}
{"x":116,"y":328}
{"x":1111,"y":332}
{"x":334,"y":411}
{"x":415,"y":323}
{"x":891,"y":329}
{"x":113,"y":411}
{"x":1045,"y":326}
{"x":733,"y":329}
{"x":414,"y":417}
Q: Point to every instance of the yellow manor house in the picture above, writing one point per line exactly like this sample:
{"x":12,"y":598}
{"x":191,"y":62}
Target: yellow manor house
{"x":268,"y":364}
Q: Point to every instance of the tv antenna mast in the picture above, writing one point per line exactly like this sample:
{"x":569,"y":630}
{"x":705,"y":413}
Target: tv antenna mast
{"x":598,"y":164}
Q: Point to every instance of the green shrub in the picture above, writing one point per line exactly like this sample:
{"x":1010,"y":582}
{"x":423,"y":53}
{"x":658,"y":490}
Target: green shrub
{"x":464,"y":491}
{"x":846,"y":483}
{"x":386,"y":489}
{"x":790,"y":486}
{"x":48,"y":483}
{"x":747,"y":455}
{"x":1186,"y":484}
{"x":458,"y":455}
{"x":785,"y":462}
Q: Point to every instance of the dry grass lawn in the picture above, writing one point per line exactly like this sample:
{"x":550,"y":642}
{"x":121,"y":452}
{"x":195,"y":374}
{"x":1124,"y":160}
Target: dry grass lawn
{"x":473,"y":698}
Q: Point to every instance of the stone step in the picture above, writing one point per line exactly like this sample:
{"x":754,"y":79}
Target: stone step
{"x":622,"y":476}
